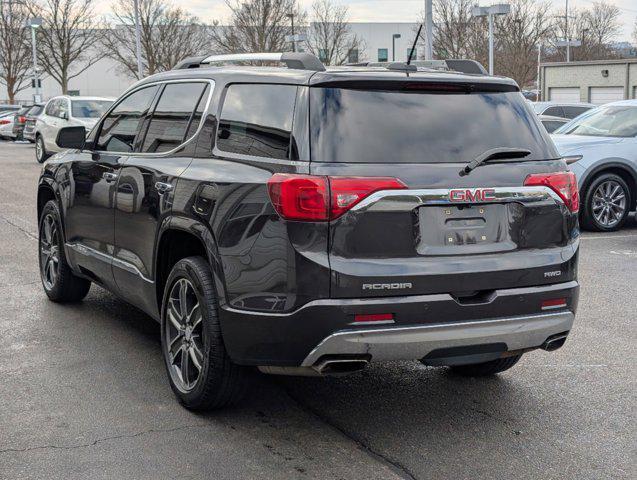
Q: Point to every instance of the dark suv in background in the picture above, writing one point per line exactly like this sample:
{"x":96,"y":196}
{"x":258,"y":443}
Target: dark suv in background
{"x":309,"y":221}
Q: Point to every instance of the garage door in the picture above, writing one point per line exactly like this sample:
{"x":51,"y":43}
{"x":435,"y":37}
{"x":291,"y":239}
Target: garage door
{"x":564,"y":95}
{"x":600,"y":95}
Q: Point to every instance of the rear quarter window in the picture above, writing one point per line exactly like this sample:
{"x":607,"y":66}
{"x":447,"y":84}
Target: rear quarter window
{"x":256,"y":120}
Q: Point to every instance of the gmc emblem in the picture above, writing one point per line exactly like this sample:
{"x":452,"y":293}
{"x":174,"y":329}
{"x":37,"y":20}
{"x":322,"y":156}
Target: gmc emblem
{"x":472,"y":195}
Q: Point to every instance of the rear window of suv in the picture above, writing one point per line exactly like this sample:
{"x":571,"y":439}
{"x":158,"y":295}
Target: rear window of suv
{"x":420,"y":126}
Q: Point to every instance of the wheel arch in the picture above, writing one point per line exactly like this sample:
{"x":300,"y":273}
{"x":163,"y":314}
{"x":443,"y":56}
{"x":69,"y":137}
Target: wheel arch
{"x":620,"y":169}
{"x":183,"y":237}
{"x":45,"y":194}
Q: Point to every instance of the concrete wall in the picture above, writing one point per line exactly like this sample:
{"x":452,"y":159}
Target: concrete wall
{"x":102,"y":79}
{"x":587,"y":75}
{"x":379,"y":35}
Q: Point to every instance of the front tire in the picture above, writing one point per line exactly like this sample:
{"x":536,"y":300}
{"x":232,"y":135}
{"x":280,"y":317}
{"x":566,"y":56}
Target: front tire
{"x":200,"y":373}
{"x":606,"y":203}
{"x":487,"y":368}
{"x":58,"y":280}
{"x":40,"y":150}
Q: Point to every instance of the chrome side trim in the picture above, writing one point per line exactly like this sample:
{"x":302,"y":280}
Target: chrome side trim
{"x":105,"y":257}
{"x":415,"y":342}
{"x":401,"y":200}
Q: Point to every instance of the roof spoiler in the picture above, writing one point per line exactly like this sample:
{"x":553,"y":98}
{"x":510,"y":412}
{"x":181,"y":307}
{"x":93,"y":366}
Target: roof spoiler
{"x":299,"y":61}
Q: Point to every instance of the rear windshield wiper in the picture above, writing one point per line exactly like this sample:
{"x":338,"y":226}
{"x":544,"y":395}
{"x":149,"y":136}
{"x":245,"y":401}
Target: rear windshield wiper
{"x":500,"y":153}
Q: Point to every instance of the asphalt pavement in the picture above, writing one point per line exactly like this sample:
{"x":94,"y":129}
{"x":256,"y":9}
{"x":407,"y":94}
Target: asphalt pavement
{"x":83,"y":391}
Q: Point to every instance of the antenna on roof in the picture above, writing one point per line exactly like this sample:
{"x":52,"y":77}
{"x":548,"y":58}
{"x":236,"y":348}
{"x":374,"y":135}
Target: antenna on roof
{"x":413,"y":47}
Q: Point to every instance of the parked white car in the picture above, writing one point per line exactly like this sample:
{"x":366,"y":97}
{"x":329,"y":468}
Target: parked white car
{"x":65,"y":111}
{"x":6,"y":125}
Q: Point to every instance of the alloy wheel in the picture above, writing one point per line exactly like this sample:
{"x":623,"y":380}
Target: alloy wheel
{"x":608,"y":203}
{"x":184,"y":335}
{"x":49,"y":251}
{"x":38,"y":148}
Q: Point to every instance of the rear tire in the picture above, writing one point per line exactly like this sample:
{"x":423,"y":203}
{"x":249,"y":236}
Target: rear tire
{"x":487,"y":368}
{"x":605,"y":190}
{"x":191,"y":334}
{"x":40,"y":150}
{"x":58,"y":280}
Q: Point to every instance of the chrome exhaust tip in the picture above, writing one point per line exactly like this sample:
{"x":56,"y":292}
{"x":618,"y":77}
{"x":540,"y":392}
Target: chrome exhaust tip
{"x":554,"y":342}
{"x":340,"y":366}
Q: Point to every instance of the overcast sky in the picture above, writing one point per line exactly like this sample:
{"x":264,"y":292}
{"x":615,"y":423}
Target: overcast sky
{"x":387,"y":10}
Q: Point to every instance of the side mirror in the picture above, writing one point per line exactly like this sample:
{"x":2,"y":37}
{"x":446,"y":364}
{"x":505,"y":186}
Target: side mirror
{"x":71,"y":137}
{"x":64,"y":115}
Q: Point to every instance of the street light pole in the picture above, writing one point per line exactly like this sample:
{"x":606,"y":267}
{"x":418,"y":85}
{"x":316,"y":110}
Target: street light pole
{"x":291,"y":17}
{"x":393,"y":46}
{"x":138,"y":41}
{"x":34,"y":23}
{"x":568,"y":42}
{"x":490,"y":12}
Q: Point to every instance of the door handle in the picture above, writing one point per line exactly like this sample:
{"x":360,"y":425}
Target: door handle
{"x":109,"y":176}
{"x":163,"y":187}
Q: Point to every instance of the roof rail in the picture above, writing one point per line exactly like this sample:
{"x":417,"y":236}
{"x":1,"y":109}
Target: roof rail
{"x":300,"y":61}
{"x":456,"y":65}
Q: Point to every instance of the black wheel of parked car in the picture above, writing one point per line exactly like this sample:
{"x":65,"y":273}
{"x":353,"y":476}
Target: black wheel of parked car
{"x":486,"y":368}
{"x":201,"y":374}
{"x":606,"y":203}
{"x":60,"y":284}
{"x":40,"y":150}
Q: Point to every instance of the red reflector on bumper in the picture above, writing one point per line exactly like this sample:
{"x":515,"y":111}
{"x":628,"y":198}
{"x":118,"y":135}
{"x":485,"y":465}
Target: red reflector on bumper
{"x":374,"y":317}
{"x":553,"y":303}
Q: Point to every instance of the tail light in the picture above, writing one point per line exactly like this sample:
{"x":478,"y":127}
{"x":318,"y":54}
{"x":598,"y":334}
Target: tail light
{"x":5,"y":122}
{"x":318,"y":198}
{"x":562,"y":183}
{"x":22,"y":119}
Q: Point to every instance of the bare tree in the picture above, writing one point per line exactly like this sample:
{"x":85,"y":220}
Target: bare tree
{"x":329,"y":35}
{"x":458,"y":34}
{"x":168,"y":34}
{"x":15,"y":49}
{"x":594,"y":27}
{"x":258,"y":26}
{"x":67,"y":38}
{"x":518,"y":35}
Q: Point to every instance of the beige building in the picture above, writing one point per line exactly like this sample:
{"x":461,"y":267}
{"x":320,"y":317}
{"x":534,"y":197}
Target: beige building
{"x":598,"y":81}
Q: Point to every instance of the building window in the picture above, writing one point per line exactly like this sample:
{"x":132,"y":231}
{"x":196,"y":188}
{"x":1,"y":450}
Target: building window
{"x":352,"y":56}
{"x":383,"y":54}
{"x":415,"y":55}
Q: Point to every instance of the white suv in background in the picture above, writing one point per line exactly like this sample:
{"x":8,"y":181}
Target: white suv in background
{"x":65,"y":111}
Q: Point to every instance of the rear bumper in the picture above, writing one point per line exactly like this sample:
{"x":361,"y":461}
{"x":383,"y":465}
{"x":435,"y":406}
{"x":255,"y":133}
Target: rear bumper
{"x":417,"y":342}
{"x":422,"y":324}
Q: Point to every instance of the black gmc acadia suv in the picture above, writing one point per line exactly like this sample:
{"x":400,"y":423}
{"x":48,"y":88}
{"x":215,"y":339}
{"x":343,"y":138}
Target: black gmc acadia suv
{"x":309,"y":221}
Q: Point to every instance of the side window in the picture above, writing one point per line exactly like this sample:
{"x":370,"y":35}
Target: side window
{"x":572,"y":112}
{"x":63,"y":108}
{"x":554,"y":111}
{"x":119,"y":128}
{"x":173,"y":114}
{"x":51,"y":108}
{"x":257,"y":120}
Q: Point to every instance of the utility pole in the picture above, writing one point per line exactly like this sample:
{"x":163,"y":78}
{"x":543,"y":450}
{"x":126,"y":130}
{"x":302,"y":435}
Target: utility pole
{"x":568,"y":43}
{"x":429,"y":26}
{"x":138,"y":41}
{"x":539,"y":61}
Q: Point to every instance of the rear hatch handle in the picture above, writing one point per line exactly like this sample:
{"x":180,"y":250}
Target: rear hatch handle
{"x":499,"y":153}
